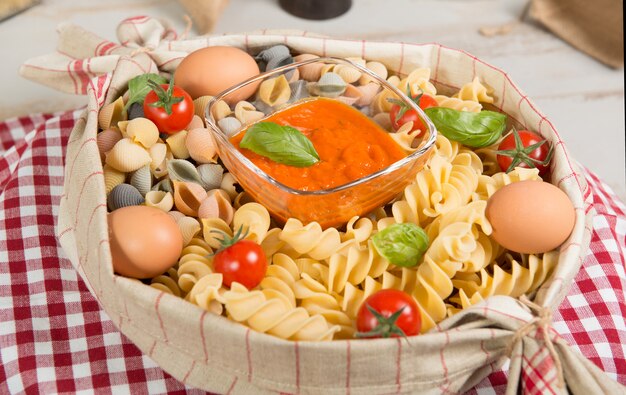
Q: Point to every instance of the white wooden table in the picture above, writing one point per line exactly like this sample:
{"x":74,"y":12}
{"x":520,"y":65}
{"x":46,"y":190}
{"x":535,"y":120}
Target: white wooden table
{"x":584,"y":99}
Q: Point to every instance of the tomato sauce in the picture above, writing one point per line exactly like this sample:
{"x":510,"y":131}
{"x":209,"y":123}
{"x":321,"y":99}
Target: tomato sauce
{"x":350,"y":145}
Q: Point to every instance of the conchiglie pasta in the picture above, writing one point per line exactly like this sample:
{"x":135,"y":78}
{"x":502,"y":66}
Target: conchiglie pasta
{"x":127,"y":156}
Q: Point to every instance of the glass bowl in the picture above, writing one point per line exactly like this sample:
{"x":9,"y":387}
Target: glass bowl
{"x":226,"y":116}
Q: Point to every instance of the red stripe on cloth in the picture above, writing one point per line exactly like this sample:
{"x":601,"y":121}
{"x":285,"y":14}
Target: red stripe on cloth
{"x":296,"y":346}
{"x":503,"y":94}
{"x":401,"y":64}
{"x":530,"y":381}
{"x":170,"y":61}
{"x":157,"y":302}
{"x":193,"y":365}
{"x":348,"y":362}
{"x":138,"y":19}
{"x":473,"y":67}
{"x":65,"y":231}
{"x":95,"y":51}
{"x":70,"y":73}
{"x":100,"y":267}
{"x":69,"y":175}
{"x":82,"y":190}
{"x":108,"y":48}
{"x":443,"y":359}
{"x":248,"y":354}
{"x":439,"y":46}
{"x":232,"y":386}
{"x":151,"y":351}
{"x":203,"y":337}
{"x":398,"y":366}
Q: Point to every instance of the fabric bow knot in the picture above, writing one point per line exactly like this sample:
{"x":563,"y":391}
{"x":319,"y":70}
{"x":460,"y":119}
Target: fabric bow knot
{"x":540,"y":322}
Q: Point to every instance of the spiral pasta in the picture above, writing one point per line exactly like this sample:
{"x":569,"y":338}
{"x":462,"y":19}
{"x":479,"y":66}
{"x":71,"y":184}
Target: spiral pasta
{"x":315,"y":299}
{"x":167,"y":283}
{"x":440,"y":187}
{"x":195,"y":262}
{"x":310,"y":239}
{"x":458,"y":104}
{"x":353,"y":266}
{"x":281,"y":276}
{"x":520,"y":278}
{"x":207,"y":293}
{"x":475,"y":91}
{"x":487,"y":185}
{"x":418,"y":81}
{"x":358,"y":229}
{"x":269,"y":312}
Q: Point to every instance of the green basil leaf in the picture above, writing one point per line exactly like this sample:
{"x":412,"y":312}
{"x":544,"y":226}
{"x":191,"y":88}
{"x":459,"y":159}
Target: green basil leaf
{"x":401,"y":244}
{"x":282,"y":144}
{"x":138,"y":87}
{"x":473,"y":129}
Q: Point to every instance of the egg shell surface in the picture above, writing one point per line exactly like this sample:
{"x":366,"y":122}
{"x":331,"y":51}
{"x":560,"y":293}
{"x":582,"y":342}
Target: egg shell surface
{"x":145,"y":241}
{"x":530,"y":217}
{"x":211,"y":70}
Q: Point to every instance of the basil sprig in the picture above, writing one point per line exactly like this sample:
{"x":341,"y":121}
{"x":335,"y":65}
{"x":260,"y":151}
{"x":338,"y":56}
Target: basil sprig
{"x":282,"y":144}
{"x":473,"y":129}
{"x":139,"y":87}
{"x":401,"y":244}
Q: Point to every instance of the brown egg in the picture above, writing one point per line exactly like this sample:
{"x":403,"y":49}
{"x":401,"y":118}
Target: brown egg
{"x":145,"y":241}
{"x":211,"y":70}
{"x":530,"y":216}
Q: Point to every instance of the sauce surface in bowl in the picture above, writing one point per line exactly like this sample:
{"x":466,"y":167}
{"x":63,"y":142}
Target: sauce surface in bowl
{"x":350,"y":145}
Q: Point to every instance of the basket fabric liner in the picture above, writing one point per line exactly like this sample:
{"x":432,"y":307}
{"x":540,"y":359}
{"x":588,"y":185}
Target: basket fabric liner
{"x":215,"y":354}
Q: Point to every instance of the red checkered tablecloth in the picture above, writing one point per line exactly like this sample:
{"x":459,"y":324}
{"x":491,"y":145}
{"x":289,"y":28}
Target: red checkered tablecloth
{"x":54,"y":338}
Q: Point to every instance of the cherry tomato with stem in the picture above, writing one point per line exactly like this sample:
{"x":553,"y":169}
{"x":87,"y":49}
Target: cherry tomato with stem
{"x":524,"y":149}
{"x":388,"y":313}
{"x":240,"y":260}
{"x":168,"y":106}
{"x":401,"y":113}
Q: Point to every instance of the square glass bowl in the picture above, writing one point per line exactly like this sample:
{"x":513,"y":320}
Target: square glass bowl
{"x":259,"y":97}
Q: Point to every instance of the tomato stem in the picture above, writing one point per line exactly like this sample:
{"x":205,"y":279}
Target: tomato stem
{"x":386,"y":325}
{"x":166,"y":98}
{"x":403,"y":106}
{"x":521,"y":154}
{"x":228,"y":241}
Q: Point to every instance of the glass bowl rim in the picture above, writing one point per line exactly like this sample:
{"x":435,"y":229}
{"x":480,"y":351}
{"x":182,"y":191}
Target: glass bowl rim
{"x":215,"y":129}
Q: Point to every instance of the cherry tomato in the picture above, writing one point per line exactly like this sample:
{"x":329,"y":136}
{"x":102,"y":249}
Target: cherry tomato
{"x":388,"y":313}
{"x":169,"y":107}
{"x":524,"y":149}
{"x":243,"y":261}
{"x":400,"y":113}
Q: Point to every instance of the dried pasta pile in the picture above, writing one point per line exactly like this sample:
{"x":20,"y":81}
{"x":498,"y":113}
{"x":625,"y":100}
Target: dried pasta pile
{"x":317,"y":279}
